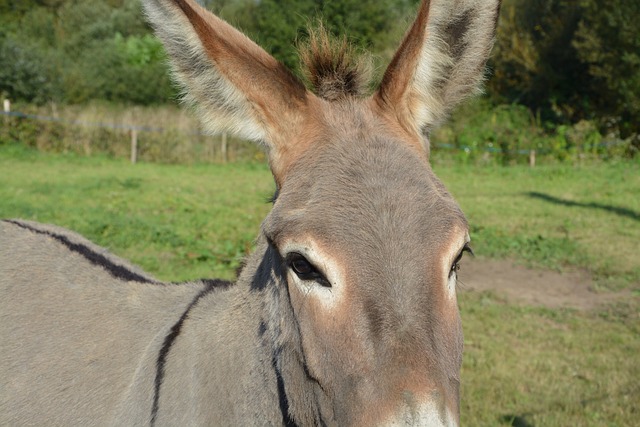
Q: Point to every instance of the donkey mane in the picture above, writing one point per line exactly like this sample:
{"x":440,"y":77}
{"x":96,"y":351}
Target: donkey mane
{"x":334,"y":68}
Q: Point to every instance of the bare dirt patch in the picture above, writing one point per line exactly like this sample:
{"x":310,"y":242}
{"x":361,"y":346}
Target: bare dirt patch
{"x":572,"y":289}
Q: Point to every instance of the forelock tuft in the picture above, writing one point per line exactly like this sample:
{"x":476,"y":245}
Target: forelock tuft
{"x":333,"y":67}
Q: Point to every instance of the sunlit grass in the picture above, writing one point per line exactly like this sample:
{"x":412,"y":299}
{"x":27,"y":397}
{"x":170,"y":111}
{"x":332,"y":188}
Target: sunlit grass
{"x":184,"y":222}
{"x":528,"y":366}
{"x":555,"y":216}
{"x":178,"y":222}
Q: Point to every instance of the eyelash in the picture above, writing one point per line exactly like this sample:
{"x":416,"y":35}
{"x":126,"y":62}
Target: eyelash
{"x":455,"y":267}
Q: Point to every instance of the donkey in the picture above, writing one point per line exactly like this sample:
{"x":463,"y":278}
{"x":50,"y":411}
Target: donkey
{"x":345,"y":314}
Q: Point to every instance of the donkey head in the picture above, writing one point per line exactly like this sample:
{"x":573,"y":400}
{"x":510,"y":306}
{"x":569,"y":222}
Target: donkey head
{"x":362,"y":245}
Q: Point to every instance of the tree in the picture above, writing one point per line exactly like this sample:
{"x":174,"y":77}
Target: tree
{"x":277,"y":25}
{"x":570,"y":61}
{"x":28,"y":72}
{"x":534,"y":62}
{"x":78,"y":50}
{"x":607,"y":41}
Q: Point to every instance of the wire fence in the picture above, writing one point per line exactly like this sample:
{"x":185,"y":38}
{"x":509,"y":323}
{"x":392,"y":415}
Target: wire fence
{"x":82,"y":122}
{"x":165,"y":144}
{"x":223,"y":141}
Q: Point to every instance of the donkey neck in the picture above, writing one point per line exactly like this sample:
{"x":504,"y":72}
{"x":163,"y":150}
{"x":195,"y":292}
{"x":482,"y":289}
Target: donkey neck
{"x":263,"y":281}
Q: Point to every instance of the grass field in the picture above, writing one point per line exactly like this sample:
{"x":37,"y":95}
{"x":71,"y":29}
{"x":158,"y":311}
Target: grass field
{"x":523,"y":366}
{"x":555,"y":216}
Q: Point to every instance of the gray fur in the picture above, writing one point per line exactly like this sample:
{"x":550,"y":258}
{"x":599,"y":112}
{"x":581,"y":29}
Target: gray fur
{"x":88,"y":339}
{"x":80,"y":347}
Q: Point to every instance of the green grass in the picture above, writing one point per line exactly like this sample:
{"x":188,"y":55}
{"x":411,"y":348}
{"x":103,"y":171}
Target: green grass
{"x":523,"y":366}
{"x":555,"y":216}
{"x":183,"y":222}
{"x":527,"y":366}
{"x":178,"y":222}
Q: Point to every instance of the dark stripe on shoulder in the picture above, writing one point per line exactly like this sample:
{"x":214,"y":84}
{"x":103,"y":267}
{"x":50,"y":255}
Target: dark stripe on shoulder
{"x":115,"y":270}
{"x":215,"y":283}
{"x":282,"y":395}
{"x":210,"y":286}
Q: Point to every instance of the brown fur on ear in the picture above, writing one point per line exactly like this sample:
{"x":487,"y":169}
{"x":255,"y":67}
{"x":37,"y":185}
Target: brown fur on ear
{"x":333,"y":67}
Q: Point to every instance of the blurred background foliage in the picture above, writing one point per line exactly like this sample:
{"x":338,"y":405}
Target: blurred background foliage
{"x":564,"y":75}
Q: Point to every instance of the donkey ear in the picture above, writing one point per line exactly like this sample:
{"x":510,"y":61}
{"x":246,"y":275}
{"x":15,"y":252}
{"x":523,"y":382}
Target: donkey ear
{"x":236,"y":86}
{"x":441,"y":60}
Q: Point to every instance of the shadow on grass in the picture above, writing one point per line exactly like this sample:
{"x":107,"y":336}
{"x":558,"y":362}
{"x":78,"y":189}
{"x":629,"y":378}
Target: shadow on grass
{"x":629,"y":213}
{"x":516,"y":420}
{"x":630,"y":390}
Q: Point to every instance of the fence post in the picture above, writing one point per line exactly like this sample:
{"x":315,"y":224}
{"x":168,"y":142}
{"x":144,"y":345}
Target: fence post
{"x":532,"y":158}
{"x":134,"y":145}
{"x":7,"y":110}
{"x":54,"y":111}
{"x":223,"y":148}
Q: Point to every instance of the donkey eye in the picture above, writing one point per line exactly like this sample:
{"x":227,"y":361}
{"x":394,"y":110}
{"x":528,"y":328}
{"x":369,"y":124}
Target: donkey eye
{"x":301,"y":266}
{"x":455,"y":267}
{"x":305,"y":270}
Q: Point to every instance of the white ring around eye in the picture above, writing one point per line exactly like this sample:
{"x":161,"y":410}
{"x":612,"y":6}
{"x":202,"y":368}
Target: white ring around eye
{"x":325,"y":264}
{"x":452,"y":282}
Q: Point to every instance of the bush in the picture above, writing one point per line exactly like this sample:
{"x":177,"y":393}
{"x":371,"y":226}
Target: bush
{"x":121,"y":69}
{"x":170,"y":135}
{"x":28,"y":72}
{"x":483,"y":133}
